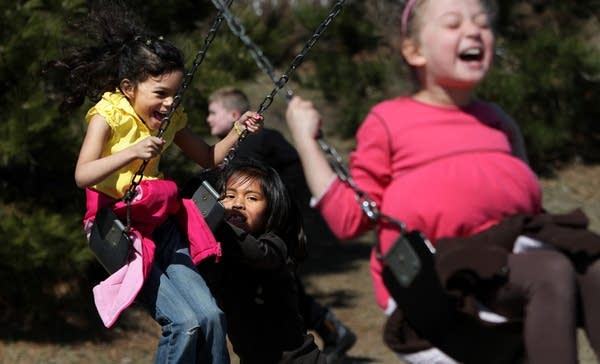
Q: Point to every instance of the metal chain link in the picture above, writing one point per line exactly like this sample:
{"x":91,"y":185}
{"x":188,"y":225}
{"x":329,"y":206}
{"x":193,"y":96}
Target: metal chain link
{"x":368,"y":206}
{"x":282,"y":81}
{"x":238,"y":29}
{"x":137,"y":178}
{"x":333,"y":12}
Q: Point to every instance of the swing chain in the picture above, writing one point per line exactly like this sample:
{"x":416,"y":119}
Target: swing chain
{"x":333,"y":12}
{"x":366,"y":203}
{"x":137,"y":178}
{"x":368,"y":206}
{"x":282,"y":81}
{"x":238,"y":29}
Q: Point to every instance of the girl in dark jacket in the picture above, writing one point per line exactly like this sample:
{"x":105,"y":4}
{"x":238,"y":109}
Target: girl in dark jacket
{"x":262,"y":241}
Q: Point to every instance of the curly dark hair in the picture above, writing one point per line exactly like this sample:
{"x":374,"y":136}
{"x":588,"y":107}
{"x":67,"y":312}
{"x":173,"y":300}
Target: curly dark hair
{"x":121,"y":48}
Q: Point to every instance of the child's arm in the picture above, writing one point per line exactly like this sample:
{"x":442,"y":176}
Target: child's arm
{"x":207,"y":156}
{"x":92,"y":168}
{"x":267,"y":252}
{"x":304,"y":122}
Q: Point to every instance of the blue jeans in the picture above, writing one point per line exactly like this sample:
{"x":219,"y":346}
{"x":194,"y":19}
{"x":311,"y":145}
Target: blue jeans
{"x":177,"y":297}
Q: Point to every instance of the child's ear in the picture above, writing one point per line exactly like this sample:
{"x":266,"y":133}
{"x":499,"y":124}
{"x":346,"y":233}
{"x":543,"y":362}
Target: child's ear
{"x":235,"y":115}
{"x":412,"y":53}
{"x":126,"y":87}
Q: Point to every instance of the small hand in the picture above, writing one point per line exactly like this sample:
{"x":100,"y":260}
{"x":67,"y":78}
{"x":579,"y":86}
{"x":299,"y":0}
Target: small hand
{"x":251,"y":121}
{"x":303,"y":119}
{"x":148,"y":148}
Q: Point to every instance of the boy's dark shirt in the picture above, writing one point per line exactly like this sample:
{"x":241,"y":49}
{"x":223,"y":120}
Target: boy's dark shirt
{"x":271,"y":147}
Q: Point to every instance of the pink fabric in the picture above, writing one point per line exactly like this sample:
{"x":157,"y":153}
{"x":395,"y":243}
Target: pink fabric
{"x":155,"y":201}
{"x":202,"y":241}
{"x":444,"y":171}
{"x":113,"y":295}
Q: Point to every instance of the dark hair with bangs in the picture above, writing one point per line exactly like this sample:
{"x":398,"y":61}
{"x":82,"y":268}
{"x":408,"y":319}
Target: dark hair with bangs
{"x":121,"y":48}
{"x":282,"y":215}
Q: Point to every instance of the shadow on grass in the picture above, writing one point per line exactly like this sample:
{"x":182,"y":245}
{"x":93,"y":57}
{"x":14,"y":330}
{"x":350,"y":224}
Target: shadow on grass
{"x":68,"y":317}
{"x":327,"y":256}
{"x":71,"y":317}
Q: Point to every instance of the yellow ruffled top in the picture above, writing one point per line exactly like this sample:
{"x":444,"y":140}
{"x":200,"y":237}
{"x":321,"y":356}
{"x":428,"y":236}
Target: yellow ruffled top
{"x":127,"y":129}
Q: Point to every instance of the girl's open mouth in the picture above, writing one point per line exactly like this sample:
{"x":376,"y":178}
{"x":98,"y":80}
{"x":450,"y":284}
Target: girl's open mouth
{"x":471,"y":54}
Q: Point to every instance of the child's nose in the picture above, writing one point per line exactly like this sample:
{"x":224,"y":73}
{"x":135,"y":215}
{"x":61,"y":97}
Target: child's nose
{"x":238,"y":204}
{"x":168,"y":101}
{"x":472,"y":28}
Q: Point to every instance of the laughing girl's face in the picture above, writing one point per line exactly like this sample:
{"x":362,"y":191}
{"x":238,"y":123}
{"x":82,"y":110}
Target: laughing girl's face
{"x":456,"y":42}
{"x":152,"y":98}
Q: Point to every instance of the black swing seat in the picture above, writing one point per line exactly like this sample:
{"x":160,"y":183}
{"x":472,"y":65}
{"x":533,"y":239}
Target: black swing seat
{"x":109,"y":240}
{"x":207,"y":200}
{"x":410,"y":276}
{"x":200,"y":190}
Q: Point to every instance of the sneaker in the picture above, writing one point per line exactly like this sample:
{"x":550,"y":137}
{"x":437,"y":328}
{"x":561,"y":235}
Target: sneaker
{"x":338,"y":340}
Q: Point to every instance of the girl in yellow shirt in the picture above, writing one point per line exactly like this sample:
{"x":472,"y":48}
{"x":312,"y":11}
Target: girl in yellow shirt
{"x":137,"y":76}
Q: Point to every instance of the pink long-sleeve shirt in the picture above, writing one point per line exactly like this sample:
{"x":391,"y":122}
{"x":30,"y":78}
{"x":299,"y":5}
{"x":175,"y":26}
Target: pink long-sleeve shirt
{"x":446,"y":171}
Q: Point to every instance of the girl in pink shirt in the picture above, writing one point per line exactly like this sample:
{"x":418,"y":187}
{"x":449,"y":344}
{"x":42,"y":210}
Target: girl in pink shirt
{"x":450,"y":166}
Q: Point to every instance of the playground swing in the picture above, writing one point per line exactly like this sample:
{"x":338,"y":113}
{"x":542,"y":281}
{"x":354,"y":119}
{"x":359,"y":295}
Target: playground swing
{"x":410,"y":276}
{"x":109,"y":240}
{"x":409,"y":272}
{"x":263,"y":63}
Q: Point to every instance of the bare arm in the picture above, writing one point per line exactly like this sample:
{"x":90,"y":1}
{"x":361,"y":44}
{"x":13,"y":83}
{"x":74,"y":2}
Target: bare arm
{"x":195,"y":148}
{"x":207,"y":156}
{"x":92,"y":168}
{"x":304,"y":122}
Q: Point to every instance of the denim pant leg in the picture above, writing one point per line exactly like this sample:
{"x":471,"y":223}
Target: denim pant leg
{"x":193,"y":327}
{"x":192,"y":287}
{"x":179,"y":340}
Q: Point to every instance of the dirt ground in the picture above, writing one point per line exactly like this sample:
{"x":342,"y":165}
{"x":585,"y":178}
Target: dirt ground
{"x":336,"y":275}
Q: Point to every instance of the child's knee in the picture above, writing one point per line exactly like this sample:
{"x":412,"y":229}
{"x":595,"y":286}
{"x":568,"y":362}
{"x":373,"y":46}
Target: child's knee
{"x":213,"y":316}
{"x":185,"y":323}
{"x":557,"y":274}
